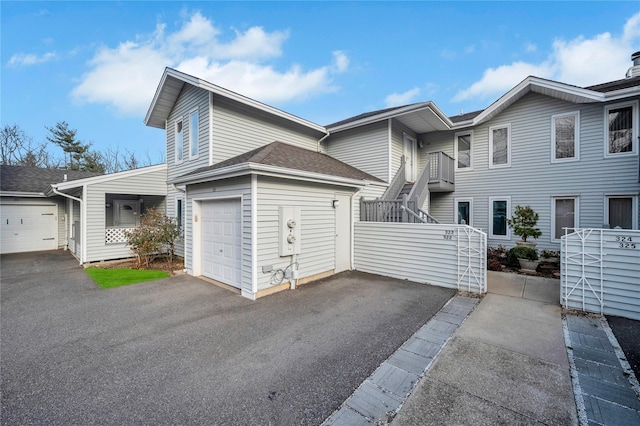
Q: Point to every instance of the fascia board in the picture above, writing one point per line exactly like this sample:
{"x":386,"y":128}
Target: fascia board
{"x":265,"y":170}
{"x":112,"y":176}
{"x":525,"y":86}
{"x":22,"y":194}
{"x":617,"y":95}
{"x":156,"y":96}
{"x":221,"y":91}
{"x":392,"y":114}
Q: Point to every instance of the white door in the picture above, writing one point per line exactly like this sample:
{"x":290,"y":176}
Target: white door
{"x":343,"y":232}
{"x":222,"y":241}
{"x":28,"y":228}
{"x":410,"y":154}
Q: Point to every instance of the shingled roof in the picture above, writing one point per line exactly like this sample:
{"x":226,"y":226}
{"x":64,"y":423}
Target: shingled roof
{"x":615,"y":85}
{"x":279,"y":154}
{"x":34,"y":179}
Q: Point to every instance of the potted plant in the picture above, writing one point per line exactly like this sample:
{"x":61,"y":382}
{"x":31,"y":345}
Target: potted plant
{"x":523,"y":222}
{"x":527,"y":258}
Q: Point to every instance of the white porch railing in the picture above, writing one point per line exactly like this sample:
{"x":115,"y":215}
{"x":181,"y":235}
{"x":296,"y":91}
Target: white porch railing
{"x":114,"y":235}
{"x":600,"y":271}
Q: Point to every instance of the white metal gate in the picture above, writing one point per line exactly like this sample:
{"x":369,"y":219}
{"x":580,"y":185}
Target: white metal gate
{"x":600,"y":271}
{"x":472,"y":260}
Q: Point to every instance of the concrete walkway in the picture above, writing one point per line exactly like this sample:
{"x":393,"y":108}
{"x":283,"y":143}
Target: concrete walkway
{"x":507,"y":364}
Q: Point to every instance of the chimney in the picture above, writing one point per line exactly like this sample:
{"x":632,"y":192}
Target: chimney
{"x":634,"y":71}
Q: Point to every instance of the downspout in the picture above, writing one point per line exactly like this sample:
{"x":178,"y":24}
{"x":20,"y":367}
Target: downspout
{"x":320,"y":141}
{"x":54,"y":189}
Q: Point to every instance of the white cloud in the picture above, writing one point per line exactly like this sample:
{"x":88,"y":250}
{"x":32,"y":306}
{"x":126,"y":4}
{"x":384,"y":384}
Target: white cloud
{"x":530,"y":47}
{"x":126,"y":76}
{"x":581,"y":62}
{"x":397,"y":99}
{"x":26,"y":59}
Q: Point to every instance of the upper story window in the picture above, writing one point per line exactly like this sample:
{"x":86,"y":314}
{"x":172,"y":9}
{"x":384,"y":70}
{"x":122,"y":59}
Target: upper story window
{"x":621,"y":129}
{"x":500,"y":146}
{"x":193,"y":134}
{"x":179,"y":142}
{"x":565,"y":137}
{"x":464,"y":156}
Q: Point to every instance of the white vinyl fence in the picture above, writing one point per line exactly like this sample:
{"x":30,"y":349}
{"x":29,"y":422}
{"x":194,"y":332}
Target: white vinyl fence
{"x":453,"y":256}
{"x":601,"y":271}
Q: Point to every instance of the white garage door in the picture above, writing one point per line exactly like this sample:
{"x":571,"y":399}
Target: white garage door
{"x":28,"y":228}
{"x":222,"y":241}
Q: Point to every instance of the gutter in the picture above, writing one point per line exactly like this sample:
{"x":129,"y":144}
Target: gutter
{"x":322,"y":139}
{"x":54,"y":189}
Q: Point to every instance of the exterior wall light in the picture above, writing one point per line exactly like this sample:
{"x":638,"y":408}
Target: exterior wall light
{"x":335,"y":203}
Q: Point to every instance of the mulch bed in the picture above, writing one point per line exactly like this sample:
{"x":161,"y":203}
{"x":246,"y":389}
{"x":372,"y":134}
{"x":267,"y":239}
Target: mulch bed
{"x":160,"y":264}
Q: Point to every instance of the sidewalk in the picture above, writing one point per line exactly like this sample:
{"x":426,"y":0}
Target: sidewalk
{"x":507,"y":364}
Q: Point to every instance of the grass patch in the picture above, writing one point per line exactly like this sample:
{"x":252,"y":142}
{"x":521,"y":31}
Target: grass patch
{"x":109,"y":278}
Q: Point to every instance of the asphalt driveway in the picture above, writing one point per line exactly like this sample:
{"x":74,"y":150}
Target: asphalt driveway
{"x":182,"y":351}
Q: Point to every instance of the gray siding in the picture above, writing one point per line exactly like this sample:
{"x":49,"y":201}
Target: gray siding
{"x":190,"y":98}
{"x":231,"y":188}
{"x":366,"y":148}
{"x":397,"y":145}
{"x":237,"y":130}
{"x":317,"y":227}
{"x":532,"y":178}
{"x":150,"y":183}
{"x":422,"y":253}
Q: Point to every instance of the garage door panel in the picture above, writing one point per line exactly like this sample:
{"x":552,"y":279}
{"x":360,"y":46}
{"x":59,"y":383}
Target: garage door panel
{"x":27,"y":228}
{"x":222,"y":241}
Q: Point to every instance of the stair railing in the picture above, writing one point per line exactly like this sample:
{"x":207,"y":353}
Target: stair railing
{"x":420,"y":190}
{"x":394,"y":188}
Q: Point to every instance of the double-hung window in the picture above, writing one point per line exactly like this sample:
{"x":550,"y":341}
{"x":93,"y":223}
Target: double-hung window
{"x":564,"y":215}
{"x":621,"y":124}
{"x":179,"y":142}
{"x":194,"y":132}
{"x":464,"y":153}
{"x":499,"y":212}
{"x":621,"y":211}
{"x":500,"y":146}
{"x":565,"y":137}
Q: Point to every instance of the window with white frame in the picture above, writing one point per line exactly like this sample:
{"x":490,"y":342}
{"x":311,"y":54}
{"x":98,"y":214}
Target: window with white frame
{"x":564,"y":215}
{"x":499,"y":212}
{"x":193,"y":134}
{"x":500,"y":146}
{"x":179,"y":141}
{"x":621,"y":129}
{"x":464,"y":156}
{"x":464,"y":211}
{"x":621,"y":211}
{"x":565,"y":137}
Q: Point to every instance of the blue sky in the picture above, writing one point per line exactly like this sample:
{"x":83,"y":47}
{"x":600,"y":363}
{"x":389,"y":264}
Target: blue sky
{"x":96,"y":65}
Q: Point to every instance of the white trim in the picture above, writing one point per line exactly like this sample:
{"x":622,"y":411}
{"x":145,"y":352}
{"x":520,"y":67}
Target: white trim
{"x":112,"y":176}
{"x":176,"y":122}
{"x":254,"y":237}
{"x":455,"y":150}
{"x":491,"y":129}
{"x":491,"y":234}
{"x":197,"y":82}
{"x":634,"y":207}
{"x":246,"y":168}
{"x":576,"y":137}
{"x":634,"y":133}
{"x":83,"y":224}
{"x":195,"y":110}
{"x":576,"y":214}
{"x":455,"y":209}
{"x":210,"y":142}
{"x":390,"y":173}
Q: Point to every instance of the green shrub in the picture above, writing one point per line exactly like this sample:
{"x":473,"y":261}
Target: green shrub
{"x":156,"y":235}
{"x":521,"y":252}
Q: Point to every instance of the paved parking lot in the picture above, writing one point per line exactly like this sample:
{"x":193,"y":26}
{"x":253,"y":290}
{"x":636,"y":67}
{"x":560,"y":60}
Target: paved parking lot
{"x":182,"y":351}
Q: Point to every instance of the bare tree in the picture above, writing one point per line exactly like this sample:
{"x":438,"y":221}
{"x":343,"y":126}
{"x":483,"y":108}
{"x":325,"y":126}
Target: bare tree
{"x":17,"y":148}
